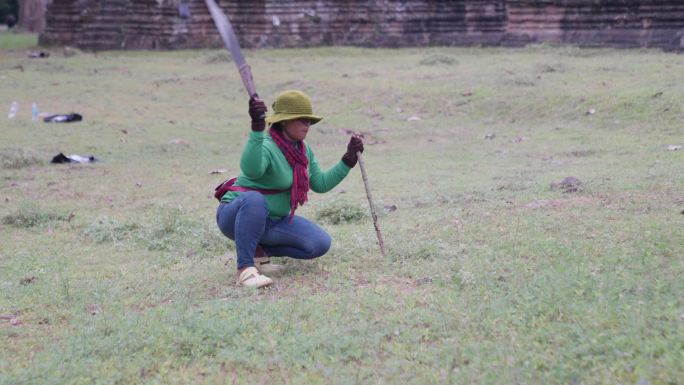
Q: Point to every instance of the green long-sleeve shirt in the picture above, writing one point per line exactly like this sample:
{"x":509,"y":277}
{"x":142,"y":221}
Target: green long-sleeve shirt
{"x":264,"y":166}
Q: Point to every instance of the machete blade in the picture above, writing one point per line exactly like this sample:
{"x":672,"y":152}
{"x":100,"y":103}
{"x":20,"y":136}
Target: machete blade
{"x":230,"y":40}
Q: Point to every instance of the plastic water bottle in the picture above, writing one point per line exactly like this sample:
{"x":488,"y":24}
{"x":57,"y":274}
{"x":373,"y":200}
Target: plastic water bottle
{"x":34,"y":111}
{"x":13,"y":110}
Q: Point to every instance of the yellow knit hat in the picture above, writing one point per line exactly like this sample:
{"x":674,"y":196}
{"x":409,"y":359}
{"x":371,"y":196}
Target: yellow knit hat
{"x":290,"y":105}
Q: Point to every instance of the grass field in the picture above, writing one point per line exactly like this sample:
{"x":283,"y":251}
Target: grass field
{"x":115,"y":272}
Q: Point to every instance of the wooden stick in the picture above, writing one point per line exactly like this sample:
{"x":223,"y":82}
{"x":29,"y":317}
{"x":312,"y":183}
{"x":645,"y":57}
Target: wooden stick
{"x":372,"y":205}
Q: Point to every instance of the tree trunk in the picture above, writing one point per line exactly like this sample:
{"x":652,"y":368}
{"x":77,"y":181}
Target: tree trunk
{"x":32,"y":15}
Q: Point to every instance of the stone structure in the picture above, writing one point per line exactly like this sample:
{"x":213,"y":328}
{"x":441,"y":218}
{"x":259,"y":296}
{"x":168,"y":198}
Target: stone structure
{"x":32,"y":15}
{"x":168,"y":24}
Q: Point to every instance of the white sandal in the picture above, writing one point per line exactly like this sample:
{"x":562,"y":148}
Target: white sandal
{"x":264,"y":265}
{"x":250,"y":277}
{"x":263,"y":262}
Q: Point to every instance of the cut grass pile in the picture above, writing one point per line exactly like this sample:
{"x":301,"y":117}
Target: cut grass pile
{"x":341,"y":211}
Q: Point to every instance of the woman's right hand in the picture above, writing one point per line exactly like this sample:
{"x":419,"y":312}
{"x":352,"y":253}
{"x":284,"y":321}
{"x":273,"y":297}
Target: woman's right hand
{"x":257,"y":111}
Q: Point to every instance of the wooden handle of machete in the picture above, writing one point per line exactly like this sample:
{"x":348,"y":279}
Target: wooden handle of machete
{"x":248,"y":81}
{"x":372,"y":205}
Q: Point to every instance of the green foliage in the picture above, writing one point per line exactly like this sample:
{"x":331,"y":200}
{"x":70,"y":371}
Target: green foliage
{"x":30,"y":215}
{"x":168,"y":230}
{"x":8,"y":7}
{"x":105,"y":229}
{"x":16,"y":158}
{"x":341,"y":211}
{"x":171,"y":229}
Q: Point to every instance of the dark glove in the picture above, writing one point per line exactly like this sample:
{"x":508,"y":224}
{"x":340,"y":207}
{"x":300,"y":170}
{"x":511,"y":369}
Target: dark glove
{"x":257,"y":111}
{"x":355,"y":145}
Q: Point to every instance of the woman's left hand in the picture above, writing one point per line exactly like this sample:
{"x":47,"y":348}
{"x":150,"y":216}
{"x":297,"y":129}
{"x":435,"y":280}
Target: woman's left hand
{"x":355,"y":146}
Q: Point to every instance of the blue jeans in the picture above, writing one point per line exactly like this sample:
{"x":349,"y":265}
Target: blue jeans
{"x":245,"y":220}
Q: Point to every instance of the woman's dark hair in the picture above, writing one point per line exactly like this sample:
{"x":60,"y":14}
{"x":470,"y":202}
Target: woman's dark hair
{"x":278,"y":126}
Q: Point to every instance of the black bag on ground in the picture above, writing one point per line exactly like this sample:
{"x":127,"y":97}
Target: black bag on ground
{"x":63,"y":118}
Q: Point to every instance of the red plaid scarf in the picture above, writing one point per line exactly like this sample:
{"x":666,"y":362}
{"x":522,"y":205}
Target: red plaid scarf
{"x":295,"y":153}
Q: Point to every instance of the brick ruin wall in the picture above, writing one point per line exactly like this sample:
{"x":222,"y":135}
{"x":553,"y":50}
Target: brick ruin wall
{"x":171,"y":24}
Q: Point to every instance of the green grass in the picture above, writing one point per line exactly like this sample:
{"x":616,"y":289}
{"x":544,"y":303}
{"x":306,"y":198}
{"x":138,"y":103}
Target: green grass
{"x":114,"y":272}
{"x":28,"y":215}
{"x":14,"y":158}
{"x":11,"y":40}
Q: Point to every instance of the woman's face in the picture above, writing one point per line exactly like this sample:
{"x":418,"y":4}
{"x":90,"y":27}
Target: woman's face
{"x":296,"y":130}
